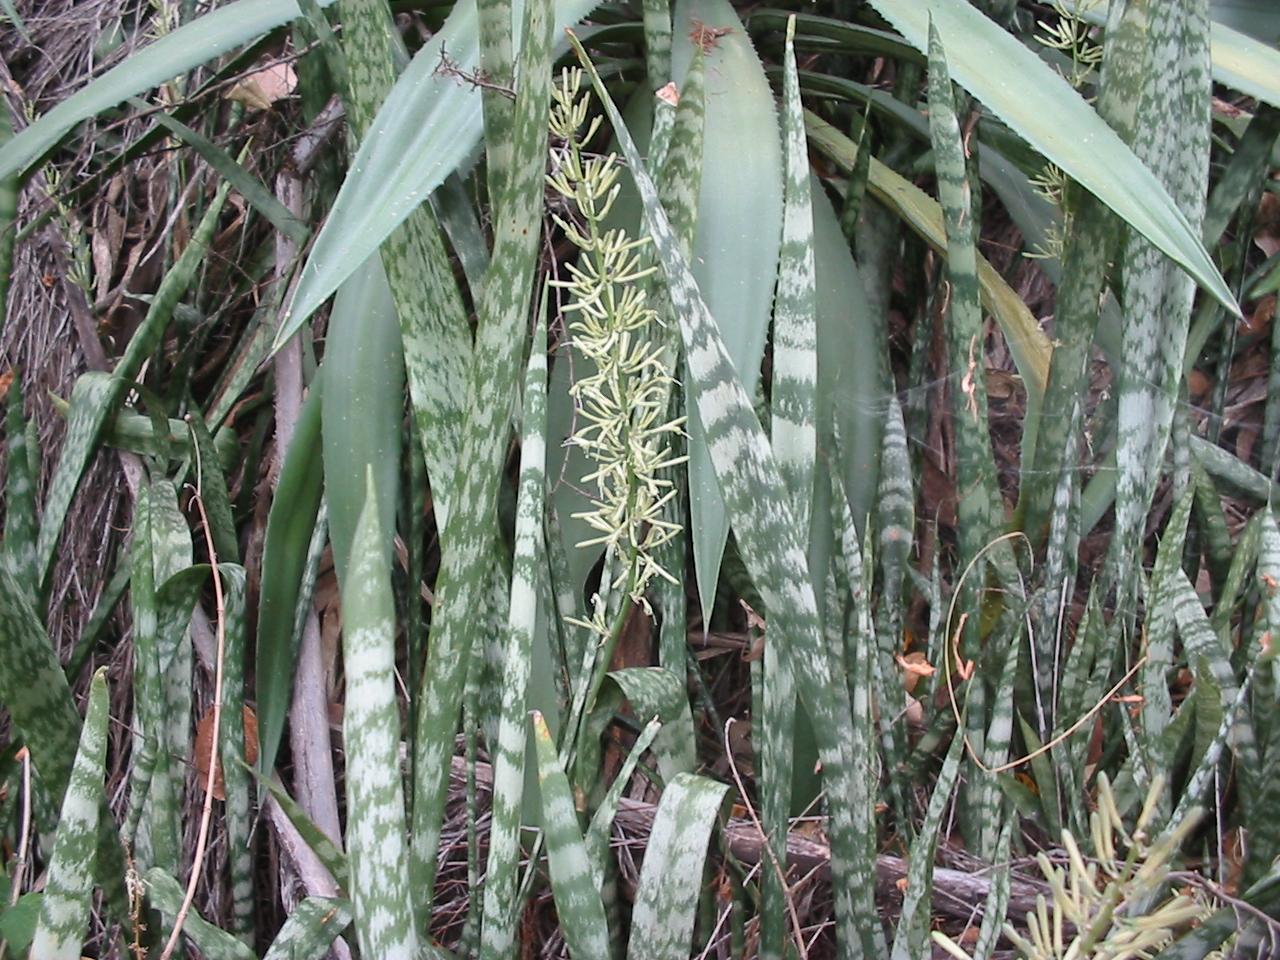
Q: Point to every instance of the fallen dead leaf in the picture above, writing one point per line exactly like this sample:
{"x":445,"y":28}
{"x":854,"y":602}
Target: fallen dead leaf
{"x":260,"y":90}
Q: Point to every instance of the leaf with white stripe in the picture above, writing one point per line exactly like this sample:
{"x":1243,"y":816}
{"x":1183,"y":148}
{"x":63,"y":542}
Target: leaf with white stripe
{"x":671,"y":877}
{"x":573,"y":876}
{"x":497,"y":937}
{"x":375,"y":833}
{"x":767,"y":534}
{"x":64,"y":911}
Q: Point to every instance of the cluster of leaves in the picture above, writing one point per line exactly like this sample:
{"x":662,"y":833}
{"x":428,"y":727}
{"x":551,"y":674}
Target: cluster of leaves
{"x":744,"y":314}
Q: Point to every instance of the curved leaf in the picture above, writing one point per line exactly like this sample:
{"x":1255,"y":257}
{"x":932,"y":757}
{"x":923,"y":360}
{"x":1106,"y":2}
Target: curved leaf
{"x":1040,"y":106}
{"x":64,"y":911}
{"x":427,"y":128}
{"x":198,"y":42}
{"x":671,"y":878}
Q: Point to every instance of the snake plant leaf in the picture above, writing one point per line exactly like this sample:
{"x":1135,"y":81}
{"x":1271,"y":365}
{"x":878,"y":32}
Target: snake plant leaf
{"x":768,"y":538}
{"x":913,"y":927}
{"x":652,"y":692}
{"x":284,"y":558}
{"x":310,"y":930}
{"x":671,"y":877}
{"x":361,"y":408}
{"x":1042,"y":108}
{"x":376,"y":828}
{"x":99,"y":397}
{"x":190,"y":45}
{"x":735,"y":254}
{"x":794,"y":435}
{"x":33,"y":688}
{"x":21,"y":522}
{"x":427,"y":128}
{"x":333,"y":859}
{"x":573,"y":876}
{"x":499,"y":925}
{"x":1244,"y":59}
{"x":167,"y":896}
{"x":1171,"y":136}
{"x":64,"y":911}
{"x":467,"y":565}
{"x":238,"y":811}
{"x":598,"y":833}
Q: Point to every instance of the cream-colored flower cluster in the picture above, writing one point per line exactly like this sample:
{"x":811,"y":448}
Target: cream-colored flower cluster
{"x":1098,"y":909}
{"x":622,"y":399}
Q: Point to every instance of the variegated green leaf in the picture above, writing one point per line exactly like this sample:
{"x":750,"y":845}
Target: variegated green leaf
{"x":1040,"y":106}
{"x":238,"y":812}
{"x":310,"y":930}
{"x":503,"y":309}
{"x":976,"y":511}
{"x":425,"y":130}
{"x":498,"y":931}
{"x":767,"y":534}
{"x":94,"y":403}
{"x":671,"y":877}
{"x":33,"y":689}
{"x":166,"y":896}
{"x":913,"y":927}
{"x":601,"y":827}
{"x":64,"y":911}
{"x":375,"y":832}
{"x":1171,"y":136}
{"x":21,"y":522}
{"x":573,"y":876}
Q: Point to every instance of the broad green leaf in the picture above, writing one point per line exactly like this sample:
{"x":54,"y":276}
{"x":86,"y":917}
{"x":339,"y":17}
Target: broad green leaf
{"x":499,"y":930}
{"x":671,"y":877}
{"x":361,"y":409}
{"x":310,"y":930}
{"x":426,"y":129}
{"x":1040,"y":106}
{"x":198,"y":42}
{"x":573,"y":876}
{"x":652,"y":692}
{"x":739,"y":226}
{"x":375,"y":833}
{"x":64,"y":911}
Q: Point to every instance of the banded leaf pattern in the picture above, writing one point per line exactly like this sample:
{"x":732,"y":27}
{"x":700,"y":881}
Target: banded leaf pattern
{"x":793,"y":434}
{"x":573,"y":876}
{"x":21,"y":524}
{"x":312,"y":927}
{"x":671,"y":877}
{"x":64,"y":911}
{"x":752,"y":487}
{"x":499,"y":928}
{"x":1171,"y":136}
{"x":503,"y":307}
{"x":379,"y":883}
